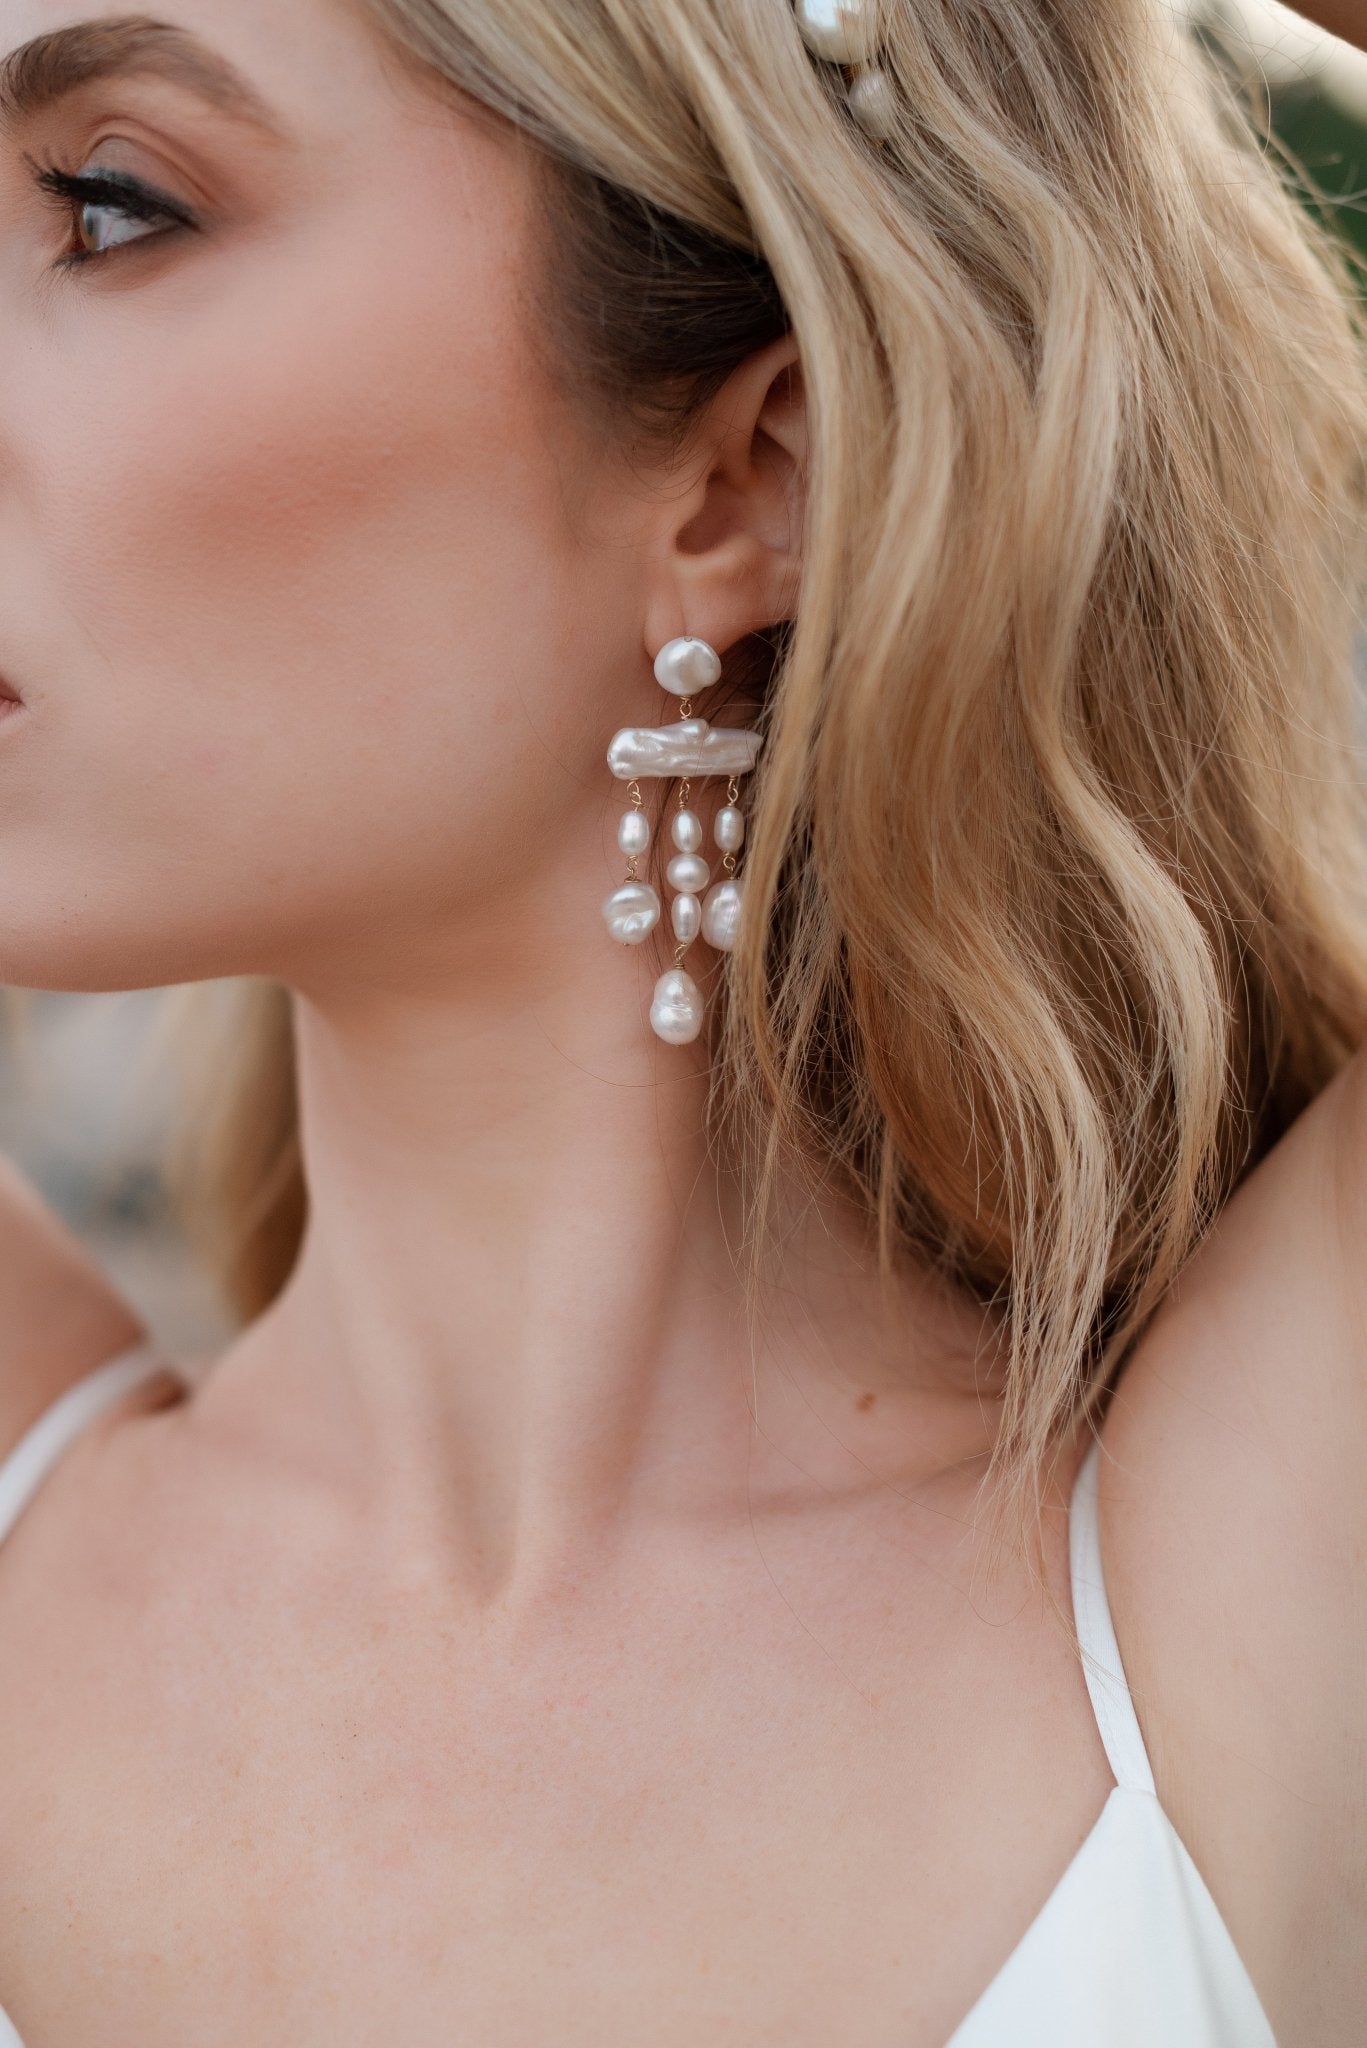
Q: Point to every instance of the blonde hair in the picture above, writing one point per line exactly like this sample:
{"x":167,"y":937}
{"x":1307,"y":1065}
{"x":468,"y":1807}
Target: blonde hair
{"x":1054,"y":876}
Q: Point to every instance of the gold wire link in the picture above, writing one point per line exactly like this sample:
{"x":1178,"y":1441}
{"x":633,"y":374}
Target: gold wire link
{"x":637,"y":804}
{"x":732,"y":797}
{"x":679,"y":952}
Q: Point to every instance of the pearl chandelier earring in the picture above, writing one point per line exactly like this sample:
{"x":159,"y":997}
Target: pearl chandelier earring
{"x":689,"y":748}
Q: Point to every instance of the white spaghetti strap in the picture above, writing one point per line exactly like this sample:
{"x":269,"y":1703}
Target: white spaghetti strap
{"x":57,"y":1428}
{"x":1101,"y":1665}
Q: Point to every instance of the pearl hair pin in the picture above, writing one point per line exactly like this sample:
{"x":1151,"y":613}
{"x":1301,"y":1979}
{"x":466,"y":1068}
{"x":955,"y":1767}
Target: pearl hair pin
{"x":689,"y":748}
{"x":845,"y":32}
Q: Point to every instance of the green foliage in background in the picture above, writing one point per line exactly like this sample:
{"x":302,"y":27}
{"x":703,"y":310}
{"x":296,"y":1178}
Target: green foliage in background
{"x":1331,"y":144}
{"x":1327,"y":141}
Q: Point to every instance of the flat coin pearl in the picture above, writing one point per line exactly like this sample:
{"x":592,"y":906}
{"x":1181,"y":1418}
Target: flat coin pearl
{"x":686,"y":916}
{"x":874,"y":105}
{"x":686,"y":831}
{"x":683,"y":666}
{"x":633,"y":834}
{"x":721,"y":915}
{"x":841,"y":31}
{"x":677,"y":1009}
{"x":729,"y":829}
{"x":689,"y":872}
{"x":631,"y":912}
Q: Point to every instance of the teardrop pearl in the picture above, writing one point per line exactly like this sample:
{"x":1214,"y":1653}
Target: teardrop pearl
{"x":689,"y":872}
{"x":633,"y":834}
{"x":686,"y":916}
{"x":685,"y":665}
{"x":676,"y":1012}
{"x":729,"y":829}
{"x":686,"y":831}
{"x":841,"y":31}
{"x":873,"y":103}
{"x":721,"y":915}
{"x":631,"y":912}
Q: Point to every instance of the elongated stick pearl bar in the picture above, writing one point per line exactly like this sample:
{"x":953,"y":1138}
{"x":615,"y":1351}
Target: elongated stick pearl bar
{"x":688,"y":747}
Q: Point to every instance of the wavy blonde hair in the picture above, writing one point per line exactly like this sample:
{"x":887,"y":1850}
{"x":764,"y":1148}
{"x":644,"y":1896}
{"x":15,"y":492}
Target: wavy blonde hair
{"x":1055,"y":868}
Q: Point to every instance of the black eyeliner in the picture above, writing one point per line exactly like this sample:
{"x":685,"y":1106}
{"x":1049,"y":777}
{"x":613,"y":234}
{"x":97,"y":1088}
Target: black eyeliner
{"x":108,"y":188}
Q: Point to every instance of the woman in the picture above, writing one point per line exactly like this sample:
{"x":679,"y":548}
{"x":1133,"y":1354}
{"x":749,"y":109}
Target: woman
{"x":619,"y":1583}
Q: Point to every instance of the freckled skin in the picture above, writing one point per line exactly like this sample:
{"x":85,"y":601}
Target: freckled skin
{"x":299,"y":574}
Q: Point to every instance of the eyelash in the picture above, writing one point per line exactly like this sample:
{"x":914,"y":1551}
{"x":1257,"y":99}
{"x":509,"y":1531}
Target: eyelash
{"x":69,"y":191}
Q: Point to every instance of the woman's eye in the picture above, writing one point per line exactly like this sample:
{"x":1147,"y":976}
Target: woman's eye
{"x":107,"y":210}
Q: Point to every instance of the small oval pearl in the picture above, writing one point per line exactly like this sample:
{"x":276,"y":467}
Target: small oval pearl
{"x":873,"y":103}
{"x":729,"y":829}
{"x":685,"y":665}
{"x":686,"y":831}
{"x":676,"y":1011}
{"x":689,"y":872}
{"x":631,"y":912}
{"x":686,"y":915}
{"x":633,"y":834}
{"x":721,"y":915}
{"x":841,"y":31}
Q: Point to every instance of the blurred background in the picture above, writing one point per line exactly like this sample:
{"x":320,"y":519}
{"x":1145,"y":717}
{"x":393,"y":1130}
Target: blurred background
{"x":88,"y":1085}
{"x":89,"y":1091}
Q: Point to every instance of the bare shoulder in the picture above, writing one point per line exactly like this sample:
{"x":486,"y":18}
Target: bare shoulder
{"x":60,"y":1314}
{"x":1234,"y":1527}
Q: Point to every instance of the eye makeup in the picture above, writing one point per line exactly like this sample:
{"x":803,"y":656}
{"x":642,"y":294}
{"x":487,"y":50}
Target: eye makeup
{"x":107,"y":191}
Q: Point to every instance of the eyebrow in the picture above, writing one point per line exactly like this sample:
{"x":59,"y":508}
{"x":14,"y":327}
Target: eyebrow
{"x":39,"y":73}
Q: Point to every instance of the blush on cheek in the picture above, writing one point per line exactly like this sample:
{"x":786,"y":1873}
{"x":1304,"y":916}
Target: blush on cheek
{"x":348,"y":415}
{"x":320,"y":598}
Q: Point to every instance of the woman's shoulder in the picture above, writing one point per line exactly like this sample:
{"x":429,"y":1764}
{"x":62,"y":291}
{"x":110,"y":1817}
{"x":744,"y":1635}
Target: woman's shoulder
{"x":1234,"y":1529}
{"x":60,"y":1313}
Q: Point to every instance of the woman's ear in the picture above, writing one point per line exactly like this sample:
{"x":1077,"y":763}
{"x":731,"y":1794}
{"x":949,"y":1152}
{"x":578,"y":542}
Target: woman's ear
{"x":728,"y":556}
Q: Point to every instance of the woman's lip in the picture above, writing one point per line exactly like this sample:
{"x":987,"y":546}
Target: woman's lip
{"x":10,"y":696}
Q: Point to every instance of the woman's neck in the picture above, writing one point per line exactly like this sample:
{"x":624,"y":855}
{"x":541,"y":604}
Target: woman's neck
{"x":519,"y":1314}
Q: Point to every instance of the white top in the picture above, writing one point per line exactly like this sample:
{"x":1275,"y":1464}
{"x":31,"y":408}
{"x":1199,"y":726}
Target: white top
{"x":1127,"y":1951}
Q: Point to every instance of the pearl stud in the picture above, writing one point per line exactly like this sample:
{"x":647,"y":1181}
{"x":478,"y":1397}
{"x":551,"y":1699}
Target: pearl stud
{"x":686,"y":666}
